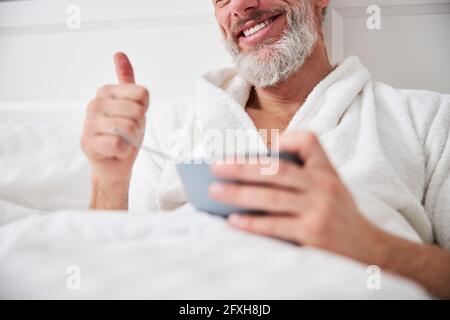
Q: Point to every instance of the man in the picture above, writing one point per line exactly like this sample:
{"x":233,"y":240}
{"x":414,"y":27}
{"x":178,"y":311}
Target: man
{"x":385,"y":168}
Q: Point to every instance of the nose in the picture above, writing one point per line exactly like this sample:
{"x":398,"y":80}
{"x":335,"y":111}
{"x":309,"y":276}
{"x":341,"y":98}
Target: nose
{"x":241,"y":8}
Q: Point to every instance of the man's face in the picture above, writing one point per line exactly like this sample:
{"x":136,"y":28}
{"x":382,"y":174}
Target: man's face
{"x":268,"y":39}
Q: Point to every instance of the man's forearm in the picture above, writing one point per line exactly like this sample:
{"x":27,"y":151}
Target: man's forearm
{"x":109,"y":195}
{"x":426,"y":264}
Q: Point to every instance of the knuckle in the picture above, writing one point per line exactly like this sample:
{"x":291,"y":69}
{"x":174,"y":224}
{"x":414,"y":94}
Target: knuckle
{"x":105,"y":90}
{"x":84,"y":142}
{"x":325,"y":209}
{"x":143,"y":93}
{"x":267,"y":226}
{"x":331,"y":186}
{"x":140,"y":113}
{"x":94,"y":105}
{"x":88,"y":125}
{"x":253,"y":224}
{"x":101,"y":105}
{"x":318,"y":226}
{"x":119,"y":149}
{"x":130,"y":128}
{"x":237,"y":193}
{"x":284,"y":169}
{"x":310,"y":138}
{"x":257,"y":226}
{"x":116,"y":143}
{"x":124,"y":152}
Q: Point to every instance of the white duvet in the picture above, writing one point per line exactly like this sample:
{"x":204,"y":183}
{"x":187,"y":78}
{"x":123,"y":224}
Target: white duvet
{"x":178,"y":255}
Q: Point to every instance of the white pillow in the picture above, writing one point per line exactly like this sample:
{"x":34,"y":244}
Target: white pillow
{"x":42,"y":165}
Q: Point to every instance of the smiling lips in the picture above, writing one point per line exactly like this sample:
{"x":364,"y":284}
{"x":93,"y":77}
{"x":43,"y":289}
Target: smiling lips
{"x":252,"y":28}
{"x":258,"y":27}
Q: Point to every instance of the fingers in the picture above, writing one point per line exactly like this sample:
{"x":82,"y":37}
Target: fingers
{"x":307,"y":146}
{"x":108,"y":146}
{"x":108,"y":126}
{"x":259,"y":198}
{"x":284,"y":228}
{"x":124,"y":69}
{"x":118,"y":109}
{"x":285,"y":174}
{"x":99,"y":138}
{"x":129,"y":92}
{"x":121,"y":107}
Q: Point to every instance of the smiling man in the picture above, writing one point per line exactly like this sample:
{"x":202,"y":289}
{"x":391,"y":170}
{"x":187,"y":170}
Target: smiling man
{"x":376,"y":178}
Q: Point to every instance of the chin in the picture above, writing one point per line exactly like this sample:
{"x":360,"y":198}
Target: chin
{"x":263,"y":51}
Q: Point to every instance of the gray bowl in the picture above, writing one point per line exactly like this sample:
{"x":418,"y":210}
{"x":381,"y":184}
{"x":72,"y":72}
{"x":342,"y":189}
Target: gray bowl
{"x":197,"y":177}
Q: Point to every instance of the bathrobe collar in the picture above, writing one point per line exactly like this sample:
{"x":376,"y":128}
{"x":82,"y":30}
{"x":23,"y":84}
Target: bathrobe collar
{"x":222,"y":96}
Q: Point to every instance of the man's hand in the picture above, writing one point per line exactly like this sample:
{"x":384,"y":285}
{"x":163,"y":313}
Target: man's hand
{"x":307,"y":205}
{"x":310,"y":206}
{"x":121,"y":107}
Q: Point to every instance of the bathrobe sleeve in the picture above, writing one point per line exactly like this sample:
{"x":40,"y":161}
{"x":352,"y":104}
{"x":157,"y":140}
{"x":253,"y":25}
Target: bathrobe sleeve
{"x":432,"y":117}
{"x":146,"y":174}
{"x":146,"y":179}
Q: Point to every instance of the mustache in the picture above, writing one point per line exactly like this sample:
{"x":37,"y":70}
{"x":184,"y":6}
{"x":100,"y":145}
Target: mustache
{"x":255,"y":16}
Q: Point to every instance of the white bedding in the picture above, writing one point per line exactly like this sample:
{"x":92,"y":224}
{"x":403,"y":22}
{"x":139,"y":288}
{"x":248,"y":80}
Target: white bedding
{"x":168,"y":255}
{"x":179,"y":255}
{"x":42,"y":165}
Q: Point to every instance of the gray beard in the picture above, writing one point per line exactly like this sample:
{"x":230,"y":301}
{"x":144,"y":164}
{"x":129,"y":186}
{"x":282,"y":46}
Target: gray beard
{"x":286,"y":56}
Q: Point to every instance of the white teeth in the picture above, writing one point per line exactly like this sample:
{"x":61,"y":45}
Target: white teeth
{"x":256,"y":28}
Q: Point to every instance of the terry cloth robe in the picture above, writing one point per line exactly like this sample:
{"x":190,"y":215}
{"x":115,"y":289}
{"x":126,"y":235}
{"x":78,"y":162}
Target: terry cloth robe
{"x":391,"y":147}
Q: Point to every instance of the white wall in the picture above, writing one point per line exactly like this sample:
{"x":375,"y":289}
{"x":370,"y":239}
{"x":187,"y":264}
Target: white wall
{"x":170,"y":42}
{"x":411,"y":50}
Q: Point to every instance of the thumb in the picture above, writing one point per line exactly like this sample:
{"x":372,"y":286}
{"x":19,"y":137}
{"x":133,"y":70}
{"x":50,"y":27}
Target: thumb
{"x":124,"y":69}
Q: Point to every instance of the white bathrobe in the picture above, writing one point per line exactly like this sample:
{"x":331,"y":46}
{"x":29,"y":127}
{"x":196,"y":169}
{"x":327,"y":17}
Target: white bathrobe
{"x":391,"y":147}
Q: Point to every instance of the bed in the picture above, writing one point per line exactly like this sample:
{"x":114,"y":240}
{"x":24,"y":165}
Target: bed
{"x":51,"y":246}
{"x":48,"y":237}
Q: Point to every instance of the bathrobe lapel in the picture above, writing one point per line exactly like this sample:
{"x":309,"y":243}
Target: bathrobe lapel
{"x":220,"y":102}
